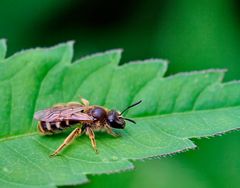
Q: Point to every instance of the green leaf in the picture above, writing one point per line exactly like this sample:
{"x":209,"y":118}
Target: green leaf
{"x":175,"y":109}
{"x":3,"y":49}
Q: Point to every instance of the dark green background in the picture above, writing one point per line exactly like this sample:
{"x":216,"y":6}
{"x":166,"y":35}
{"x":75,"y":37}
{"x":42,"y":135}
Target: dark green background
{"x":192,"y":35}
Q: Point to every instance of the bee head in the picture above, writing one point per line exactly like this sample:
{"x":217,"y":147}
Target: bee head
{"x":115,"y":119}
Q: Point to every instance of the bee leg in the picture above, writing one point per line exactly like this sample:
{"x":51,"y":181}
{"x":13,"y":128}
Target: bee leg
{"x":40,"y":129}
{"x":76,"y":132}
{"x":110,"y":131}
{"x":91,"y":135}
{"x":84,"y":101}
{"x":58,"y":105}
{"x":73,"y":103}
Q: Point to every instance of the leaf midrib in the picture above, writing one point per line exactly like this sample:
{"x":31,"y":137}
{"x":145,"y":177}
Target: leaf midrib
{"x":138,"y":118}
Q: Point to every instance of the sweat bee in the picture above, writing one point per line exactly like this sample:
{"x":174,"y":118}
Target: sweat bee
{"x":84,"y":117}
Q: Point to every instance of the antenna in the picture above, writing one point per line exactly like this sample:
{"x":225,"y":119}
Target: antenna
{"x":130,"y":120}
{"x":135,"y":104}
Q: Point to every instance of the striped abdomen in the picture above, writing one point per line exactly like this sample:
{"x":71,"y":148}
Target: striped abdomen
{"x":55,"y":127}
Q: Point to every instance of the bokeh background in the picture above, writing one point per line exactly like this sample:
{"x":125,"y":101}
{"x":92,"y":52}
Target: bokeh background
{"x":192,"y":35}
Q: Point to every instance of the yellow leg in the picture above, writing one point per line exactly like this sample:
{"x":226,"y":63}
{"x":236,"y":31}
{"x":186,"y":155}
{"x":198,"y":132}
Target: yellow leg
{"x":110,"y":131}
{"x":76,"y":132}
{"x":92,"y":138}
{"x":58,"y":105}
{"x":40,"y":129}
{"x":84,"y":101}
{"x":73,"y":103}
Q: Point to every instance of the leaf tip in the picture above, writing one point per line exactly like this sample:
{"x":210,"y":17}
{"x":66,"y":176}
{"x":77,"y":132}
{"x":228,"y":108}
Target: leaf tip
{"x":117,"y":51}
{"x":70,"y":43}
{"x":3,"y":40}
{"x":162,"y":64}
{"x":113,"y":55}
{"x":3,"y":48}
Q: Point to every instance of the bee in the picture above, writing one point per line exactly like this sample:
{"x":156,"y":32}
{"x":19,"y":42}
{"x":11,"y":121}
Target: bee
{"x":85,"y":118}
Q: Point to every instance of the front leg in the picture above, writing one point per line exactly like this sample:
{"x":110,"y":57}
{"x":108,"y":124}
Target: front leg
{"x":110,"y":131}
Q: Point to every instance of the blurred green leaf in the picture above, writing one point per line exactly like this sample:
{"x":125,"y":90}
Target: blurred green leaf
{"x":3,"y":49}
{"x":175,"y":108}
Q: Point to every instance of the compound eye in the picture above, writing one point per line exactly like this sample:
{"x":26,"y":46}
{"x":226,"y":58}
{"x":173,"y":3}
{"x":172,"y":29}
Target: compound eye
{"x":112,"y":116}
{"x":98,"y":113}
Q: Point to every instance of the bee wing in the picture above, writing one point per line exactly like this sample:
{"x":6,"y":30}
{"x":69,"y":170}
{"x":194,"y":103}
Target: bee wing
{"x":42,"y":115}
{"x":80,"y":117}
{"x":63,"y":113}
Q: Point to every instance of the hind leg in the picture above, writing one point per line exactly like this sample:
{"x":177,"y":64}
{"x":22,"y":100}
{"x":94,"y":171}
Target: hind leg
{"x":85,"y":102}
{"x":76,"y":132}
